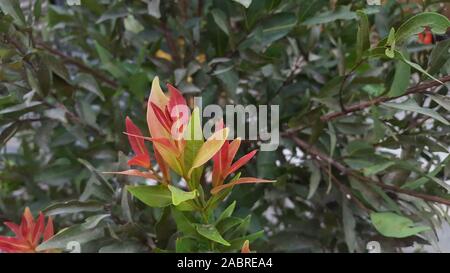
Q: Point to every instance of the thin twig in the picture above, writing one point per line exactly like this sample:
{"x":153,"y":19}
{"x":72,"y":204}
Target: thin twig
{"x":82,"y":66}
{"x":344,"y":170}
{"x":420,"y":88}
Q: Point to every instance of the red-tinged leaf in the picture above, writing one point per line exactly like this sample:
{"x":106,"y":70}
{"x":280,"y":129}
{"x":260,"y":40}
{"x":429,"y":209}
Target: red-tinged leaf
{"x":176,"y":98}
{"x":28,"y":234}
{"x":9,"y":244}
{"x":156,"y":97}
{"x":232,"y":150}
{"x":137,"y":144}
{"x":49,"y":230}
{"x":224,"y":155}
{"x":246,"y":247}
{"x":216,"y":172}
{"x":161,"y":117}
{"x":162,"y":165}
{"x":148,"y":175}
{"x":241,"y":162}
{"x":38,"y":229}
{"x":243,"y":180}
{"x":14,"y":228}
{"x":27,"y":224}
{"x":168,"y":145}
{"x":220,"y":161}
{"x":163,"y":141}
{"x":142,"y":160}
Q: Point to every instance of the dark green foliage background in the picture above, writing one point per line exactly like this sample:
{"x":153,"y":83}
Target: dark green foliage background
{"x":69,"y":75}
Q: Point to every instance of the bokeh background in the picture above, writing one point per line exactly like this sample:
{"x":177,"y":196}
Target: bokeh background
{"x":70,"y":74}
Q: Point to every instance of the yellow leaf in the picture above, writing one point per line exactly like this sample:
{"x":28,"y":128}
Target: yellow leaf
{"x":201,"y":58}
{"x":163,"y":55}
{"x":209,"y":148}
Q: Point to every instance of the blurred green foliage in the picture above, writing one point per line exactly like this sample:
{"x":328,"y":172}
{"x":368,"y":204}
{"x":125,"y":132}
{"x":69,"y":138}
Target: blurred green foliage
{"x":69,"y":74}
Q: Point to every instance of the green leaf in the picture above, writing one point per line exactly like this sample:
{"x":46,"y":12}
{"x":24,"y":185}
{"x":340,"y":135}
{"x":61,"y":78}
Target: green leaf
{"x":441,"y":100}
{"x":183,"y":223}
{"x":179,"y":196}
{"x":439,"y":56}
{"x":74,"y":206}
{"x":314,"y":180}
{"x":390,"y":50}
{"x":245,"y":3}
{"x":133,"y":25}
{"x":20,"y":109}
{"x":37,"y":8}
{"x":362,"y":36}
{"x":400,"y":56}
{"x":108,"y":63}
{"x":97,"y":175}
{"x":227,"y":224}
{"x":81,"y":234}
{"x":393,"y":225}
{"x":227,"y":212}
{"x":414,"y":25}
{"x":341,"y":13}
{"x":349,"y":223}
{"x":221,"y":20}
{"x":401,"y":79}
{"x":271,"y":30}
{"x":186,"y":245}
{"x":411,"y":105}
{"x":374,"y":169}
{"x":427,"y":177}
{"x":9,"y":132}
{"x":154,"y":196}
{"x":139,"y":85}
{"x":238,"y":242}
{"x":12,"y":7}
{"x":194,"y":141}
{"x":211,"y":233}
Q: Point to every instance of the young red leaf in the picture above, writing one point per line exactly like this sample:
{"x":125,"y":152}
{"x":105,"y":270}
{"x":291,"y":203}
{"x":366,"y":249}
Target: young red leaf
{"x":162,"y":165}
{"x":241,"y":162}
{"x":162,"y":118}
{"x":176,"y":98}
{"x":49,"y":230}
{"x":27,"y":235}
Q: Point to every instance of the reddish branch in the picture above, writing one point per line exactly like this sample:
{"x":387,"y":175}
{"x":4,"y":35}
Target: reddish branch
{"x":82,"y":66}
{"x":363,"y":105}
{"x":314,"y":152}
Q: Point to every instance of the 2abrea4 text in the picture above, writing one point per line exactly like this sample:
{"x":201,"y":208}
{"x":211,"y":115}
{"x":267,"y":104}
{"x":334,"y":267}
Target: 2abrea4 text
{"x":247,"y":262}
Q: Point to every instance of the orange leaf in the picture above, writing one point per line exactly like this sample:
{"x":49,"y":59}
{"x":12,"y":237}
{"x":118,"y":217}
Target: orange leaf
{"x":243,"y":180}
{"x":148,"y":175}
{"x":246,"y":247}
